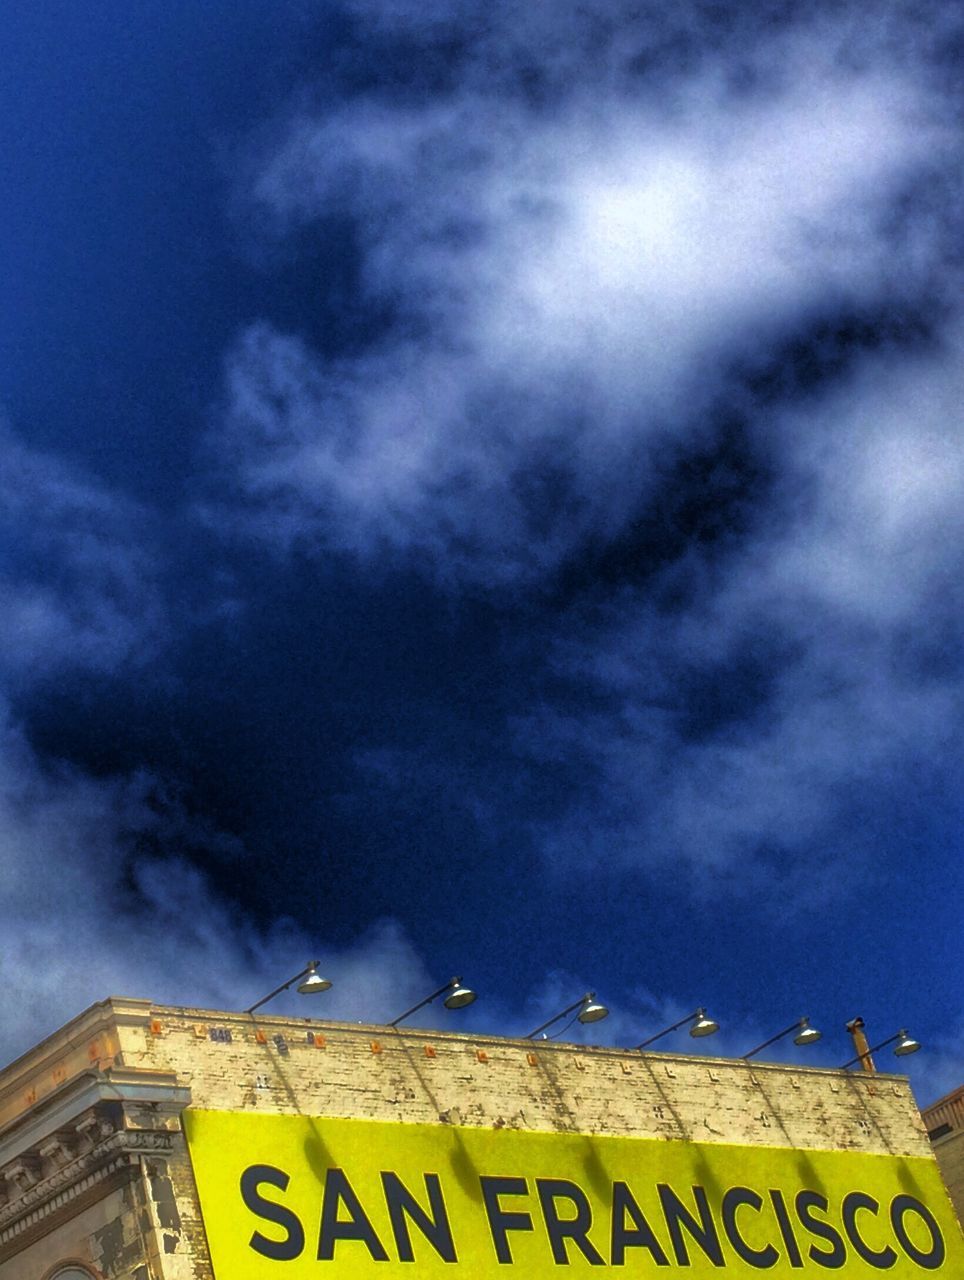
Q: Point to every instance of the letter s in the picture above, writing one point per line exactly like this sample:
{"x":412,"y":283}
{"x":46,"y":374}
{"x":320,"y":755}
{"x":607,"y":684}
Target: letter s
{"x":294,"y":1242}
{"x":836,"y":1255}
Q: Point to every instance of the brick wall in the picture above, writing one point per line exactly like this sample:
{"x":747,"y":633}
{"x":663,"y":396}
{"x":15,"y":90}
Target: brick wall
{"x":237,"y":1062}
{"x":944,"y":1121}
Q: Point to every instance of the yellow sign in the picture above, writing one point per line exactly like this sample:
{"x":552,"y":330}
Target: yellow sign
{"x":293,"y":1197}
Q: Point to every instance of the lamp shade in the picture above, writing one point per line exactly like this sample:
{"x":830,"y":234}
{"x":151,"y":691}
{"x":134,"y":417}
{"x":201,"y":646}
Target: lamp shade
{"x":313,"y":984}
{"x":309,"y":982}
{"x":703,"y":1026}
{"x":806,"y":1034}
{"x":459,"y":997}
{"x":906,"y":1044}
{"x":592,"y":1011}
{"x":455,"y":996}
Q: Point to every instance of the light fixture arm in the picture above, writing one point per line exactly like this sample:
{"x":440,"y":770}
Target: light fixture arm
{"x":675,"y":1027}
{"x":576,"y":1004}
{"x":448,"y":986}
{"x":309,"y":968}
{"x":873,"y":1049}
{"x":799,"y":1025}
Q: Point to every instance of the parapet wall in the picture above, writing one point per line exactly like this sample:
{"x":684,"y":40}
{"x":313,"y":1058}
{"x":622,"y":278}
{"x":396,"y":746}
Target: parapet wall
{"x":237,"y":1062}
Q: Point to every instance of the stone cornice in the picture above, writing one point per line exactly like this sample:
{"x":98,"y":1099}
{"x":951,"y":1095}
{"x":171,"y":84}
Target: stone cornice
{"x":60,"y":1111}
{"x":40,"y":1195}
{"x":96,"y":1019}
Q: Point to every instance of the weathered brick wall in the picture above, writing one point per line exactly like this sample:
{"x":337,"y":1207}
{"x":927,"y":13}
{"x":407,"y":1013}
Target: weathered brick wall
{"x":411,"y":1076}
{"x":105,"y":1236}
{"x":949,"y":1152}
{"x":944,"y":1121}
{"x":188,"y":1255}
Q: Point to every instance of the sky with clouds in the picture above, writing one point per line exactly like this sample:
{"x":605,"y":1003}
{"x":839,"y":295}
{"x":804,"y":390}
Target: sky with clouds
{"x":483,"y":493}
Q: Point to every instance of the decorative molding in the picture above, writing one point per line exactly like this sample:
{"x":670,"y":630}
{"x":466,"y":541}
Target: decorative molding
{"x":147,"y":1139}
{"x":94,"y":1128}
{"x":45,"y":1196}
{"x":55,"y":1152}
{"x":27,"y":1214}
{"x":21,"y":1174}
{"x":153,"y":1099}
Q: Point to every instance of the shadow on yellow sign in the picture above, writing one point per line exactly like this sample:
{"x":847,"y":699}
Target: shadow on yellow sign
{"x":300,"y":1197}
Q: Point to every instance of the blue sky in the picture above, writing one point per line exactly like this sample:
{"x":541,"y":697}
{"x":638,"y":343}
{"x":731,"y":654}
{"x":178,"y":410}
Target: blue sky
{"x":482,"y":493}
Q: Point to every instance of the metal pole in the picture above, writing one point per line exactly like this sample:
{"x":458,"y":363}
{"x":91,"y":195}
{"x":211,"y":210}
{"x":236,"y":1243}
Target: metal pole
{"x":590,"y":995}
{"x":856,"y":1029}
{"x":779,"y":1036}
{"x":285,"y":985}
{"x":862,"y":1057}
{"x":675,"y":1027}
{"x":422,"y":1003}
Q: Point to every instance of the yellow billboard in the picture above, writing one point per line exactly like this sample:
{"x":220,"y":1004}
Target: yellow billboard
{"x":295,"y":1197}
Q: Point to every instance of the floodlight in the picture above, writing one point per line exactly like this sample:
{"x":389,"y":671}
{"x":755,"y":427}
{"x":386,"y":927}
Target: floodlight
{"x":805,"y":1035}
{"x":458,"y":997}
{"x":905,"y":1044}
{"x":313,"y":984}
{"x":589,"y":1010}
{"x":592,"y":1011}
{"x":702,"y":1026}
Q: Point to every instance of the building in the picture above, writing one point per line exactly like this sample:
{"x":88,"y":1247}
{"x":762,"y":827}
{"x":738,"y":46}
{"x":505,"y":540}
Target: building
{"x":142,"y":1142}
{"x":944,"y":1120}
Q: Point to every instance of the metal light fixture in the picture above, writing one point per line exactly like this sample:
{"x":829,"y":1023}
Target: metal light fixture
{"x":805,"y":1035}
{"x":458,"y":997}
{"x":312,"y":984}
{"x":905,"y":1044}
{"x":589,"y":1010}
{"x":702,"y":1026}
{"x":592,"y":1011}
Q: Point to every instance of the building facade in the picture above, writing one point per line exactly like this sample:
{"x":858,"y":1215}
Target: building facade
{"x":944,"y":1121}
{"x":143,"y":1142}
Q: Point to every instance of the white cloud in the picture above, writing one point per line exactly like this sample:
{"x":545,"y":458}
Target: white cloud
{"x":96,"y":894}
{"x":576,"y":291}
{"x":670,"y":239}
{"x":577,"y":282}
{"x":573,"y":289}
{"x":78,"y":587}
{"x":841,"y":615}
{"x":887,"y":456}
{"x":95,"y":900}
